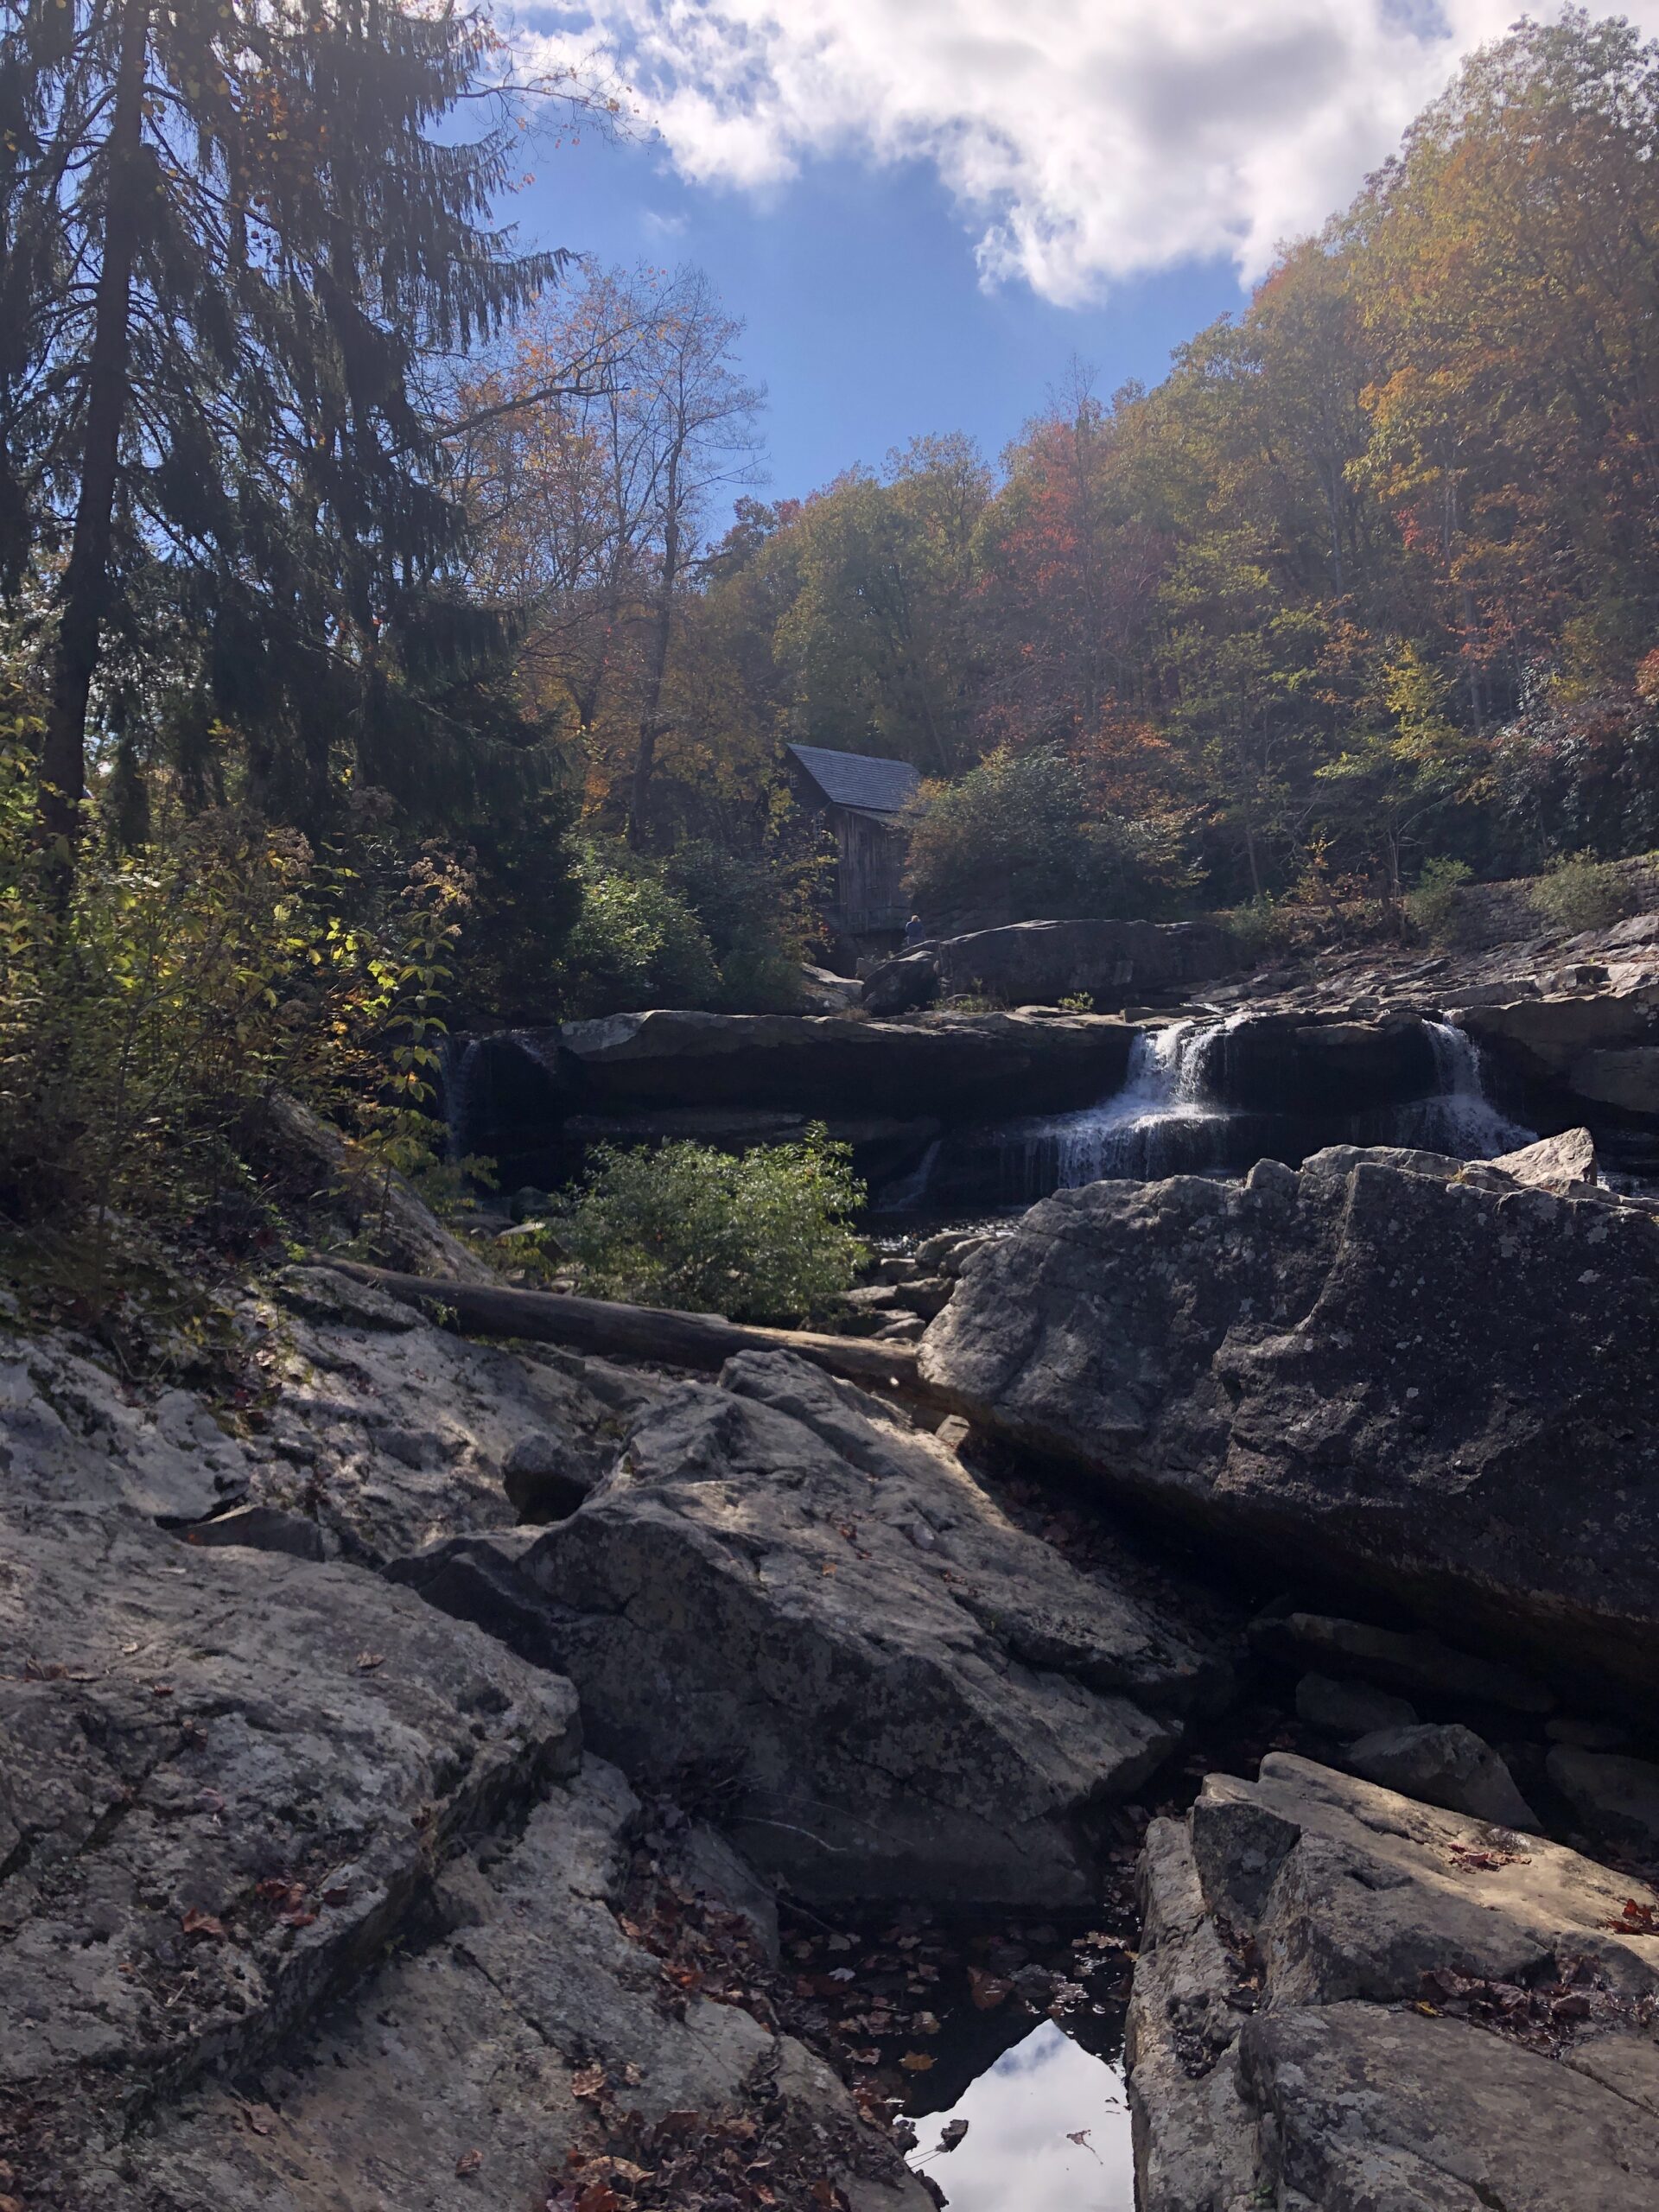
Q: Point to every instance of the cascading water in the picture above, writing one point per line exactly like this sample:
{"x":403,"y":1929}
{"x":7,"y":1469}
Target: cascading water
{"x":455,"y":1066}
{"x":1459,"y":1119}
{"x":1175,"y":1116}
{"x":1163,"y":1121}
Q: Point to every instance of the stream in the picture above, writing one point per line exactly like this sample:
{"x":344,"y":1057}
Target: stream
{"x":1175,"y":1115}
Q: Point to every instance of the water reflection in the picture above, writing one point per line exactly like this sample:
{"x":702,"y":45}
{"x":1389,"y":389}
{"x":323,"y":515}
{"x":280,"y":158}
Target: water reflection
{"x":1024,"y":2116}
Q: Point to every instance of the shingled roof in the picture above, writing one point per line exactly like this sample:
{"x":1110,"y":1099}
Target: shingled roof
{"x":856,"y":780}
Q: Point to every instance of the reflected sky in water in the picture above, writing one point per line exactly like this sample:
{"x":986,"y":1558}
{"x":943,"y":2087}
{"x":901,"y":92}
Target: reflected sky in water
{"x":1016,"y":2156}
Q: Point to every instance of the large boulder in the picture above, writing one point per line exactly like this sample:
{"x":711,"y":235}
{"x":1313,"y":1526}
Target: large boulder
{"x":1113,"y":963}
{"x":225,"y":1781}
{"x":1545,"y":1036}
{"x":1349,"y":2000}
{"x":307,"y":1896}
{"x":526,"y":2041}
{"x":1416,"y":1376}
{"x":785,"y":1598}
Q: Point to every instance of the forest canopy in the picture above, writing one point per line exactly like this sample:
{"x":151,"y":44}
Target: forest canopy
{"x":326,"y":500}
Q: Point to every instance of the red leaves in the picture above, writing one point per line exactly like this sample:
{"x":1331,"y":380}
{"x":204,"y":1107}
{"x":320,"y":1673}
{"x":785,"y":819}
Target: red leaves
{"x":1542,"y":2018}
{"x":1484,"y":1861}
{"x":987,"y":1990}
{"x":1636,"y":1919}
{"x":202,"y":1927}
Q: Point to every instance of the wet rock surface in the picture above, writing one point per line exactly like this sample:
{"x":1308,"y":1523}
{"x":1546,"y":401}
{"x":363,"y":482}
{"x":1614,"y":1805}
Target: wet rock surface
{"x":1420,"y":1377}
{"x":898,"y":1692}
{"x":1347,"y":2001}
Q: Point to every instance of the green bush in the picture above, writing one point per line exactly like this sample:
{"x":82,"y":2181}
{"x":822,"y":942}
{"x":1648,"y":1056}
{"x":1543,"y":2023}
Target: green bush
{"x":758,"y":913}
{"x":151,"y":1006}
{"x":636,"y":945}
{"x":759,"y":1237}
{"x":1014,"y":834}
{"x":1263,"y":927}
{"x":1581,"y":892}
{"x":1432,"y":907}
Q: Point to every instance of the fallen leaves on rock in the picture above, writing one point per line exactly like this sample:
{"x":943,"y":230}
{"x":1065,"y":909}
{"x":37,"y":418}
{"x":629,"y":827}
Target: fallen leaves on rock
{"x":1544,"y":2015}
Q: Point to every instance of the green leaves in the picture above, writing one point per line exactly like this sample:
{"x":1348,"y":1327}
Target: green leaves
{"x":757,"y":1237}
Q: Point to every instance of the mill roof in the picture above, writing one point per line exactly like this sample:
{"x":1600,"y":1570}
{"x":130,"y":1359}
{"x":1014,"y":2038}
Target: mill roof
{"x":858,"y":779}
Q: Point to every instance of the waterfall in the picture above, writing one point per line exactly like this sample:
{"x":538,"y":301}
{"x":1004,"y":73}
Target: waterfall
{"x":1175,"y":1116}
{"x":906,"y":1192}
{"x":1163,"y":1121}
{"x":1459,"y":1119}
{"x":455,"y":1066}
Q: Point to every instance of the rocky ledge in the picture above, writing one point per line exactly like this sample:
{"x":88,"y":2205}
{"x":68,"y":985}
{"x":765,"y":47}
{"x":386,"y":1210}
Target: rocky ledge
{"x":533,"y":1099}
{"x":1425,"y":1378}
{"x":782,"y":1594}
{"x":1348,"y":2002}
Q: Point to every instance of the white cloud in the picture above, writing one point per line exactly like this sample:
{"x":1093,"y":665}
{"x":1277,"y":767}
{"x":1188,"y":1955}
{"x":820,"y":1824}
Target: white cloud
{"x":1082,"y":140}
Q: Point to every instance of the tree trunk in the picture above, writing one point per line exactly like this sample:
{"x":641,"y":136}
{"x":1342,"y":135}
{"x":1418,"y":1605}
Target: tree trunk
{"x":645,"y":757}
{"x":703,"y":1341}
{"x":84,"y":595}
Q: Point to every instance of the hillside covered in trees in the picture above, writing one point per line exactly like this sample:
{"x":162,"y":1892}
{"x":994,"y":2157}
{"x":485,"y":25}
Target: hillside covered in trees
{"x":1368,"y":579}
{"x":397,"y":633}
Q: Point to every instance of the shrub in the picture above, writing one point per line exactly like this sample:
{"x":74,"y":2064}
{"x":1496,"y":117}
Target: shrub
{"x":1263,"y":927}
{"x":1581,"y":892}
{"x":148,"y":1015}
{"x":1432,"y":905}
{"x":759,"y":909}
{"x":758,"y":1237}
{"x":636,"y":945}
{"x":1012,"y":835}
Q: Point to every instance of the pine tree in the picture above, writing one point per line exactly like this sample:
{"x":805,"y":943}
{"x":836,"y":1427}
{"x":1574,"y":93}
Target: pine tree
{"x":231,"y":237}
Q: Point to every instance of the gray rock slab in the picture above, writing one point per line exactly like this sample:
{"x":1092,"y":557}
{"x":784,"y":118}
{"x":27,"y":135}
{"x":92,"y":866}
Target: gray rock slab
{"x":450,"y":2077}
{"x":1559,"y":1163}
{"x":390,"y":1437}
{"x":1370,"y":2109}
{"x":1349,"y":1709}
{"x":1446,"y":1764}
{"x":259,"y":1529}
{"x":1279,"y":2051}
{"x":1617,"y":1797}
{"x":1628,"y":1079}
{"x":901,"y":1693}
{"x":225,"y":1780}
{"x":1404,"y":1660}
{"x":1381,"y":1366}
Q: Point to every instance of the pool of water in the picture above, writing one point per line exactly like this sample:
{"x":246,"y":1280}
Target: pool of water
{"x":1048,"y":2130}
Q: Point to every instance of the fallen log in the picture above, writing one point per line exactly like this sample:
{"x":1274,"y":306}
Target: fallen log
{"x":703,"y":1341}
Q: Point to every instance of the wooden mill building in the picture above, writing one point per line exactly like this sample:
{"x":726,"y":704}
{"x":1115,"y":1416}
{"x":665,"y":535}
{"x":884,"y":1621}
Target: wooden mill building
{"x":863,"y":800}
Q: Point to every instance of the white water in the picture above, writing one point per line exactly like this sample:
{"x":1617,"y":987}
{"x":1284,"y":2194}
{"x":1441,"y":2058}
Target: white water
{"x":1459,"y":1119}
{"x":1161,"y":1123}
{"x":1166,"y":1119}
{"x":906,"y":1192}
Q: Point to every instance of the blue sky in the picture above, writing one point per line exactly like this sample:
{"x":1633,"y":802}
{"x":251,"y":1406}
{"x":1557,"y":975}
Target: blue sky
{"x":867,"y":320}
{"x":924,"y":209}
